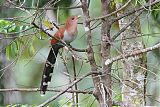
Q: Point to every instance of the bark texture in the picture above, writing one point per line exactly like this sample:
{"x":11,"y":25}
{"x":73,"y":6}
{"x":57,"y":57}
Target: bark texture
{"x":102,"y":83}
{"x":105,"y":52}
{"x":133,"y":67}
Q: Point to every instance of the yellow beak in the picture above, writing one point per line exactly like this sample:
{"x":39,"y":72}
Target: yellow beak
{"x":79,"y":16}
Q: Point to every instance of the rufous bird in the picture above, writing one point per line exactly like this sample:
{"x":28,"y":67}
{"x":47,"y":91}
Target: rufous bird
{"x":67,"y":33}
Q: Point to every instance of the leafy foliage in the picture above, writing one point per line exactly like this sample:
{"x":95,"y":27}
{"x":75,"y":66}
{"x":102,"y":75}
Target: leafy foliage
{"x":10,"y":30}
{"x":155,"y":12}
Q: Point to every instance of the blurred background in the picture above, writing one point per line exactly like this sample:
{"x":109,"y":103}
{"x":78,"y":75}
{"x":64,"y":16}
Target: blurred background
{"x":24,"y":53}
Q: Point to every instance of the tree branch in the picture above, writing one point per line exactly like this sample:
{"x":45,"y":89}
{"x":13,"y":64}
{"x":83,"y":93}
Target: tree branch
{"x":69,"y":46}
{"x":62,"y":92}
{"x":138,"y":52}
{"x":125,"y":14}
{"x":49,"y":89}
{"x":108,"y":15}
{"x":46,"y":8}
{"x":128,"y":24}
{"x":135,"y":10}
{"x":105,"y":85}
{"x":90,"y":52}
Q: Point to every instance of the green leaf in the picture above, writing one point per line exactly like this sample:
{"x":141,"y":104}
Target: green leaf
{"x":43,"y":35}
{"x":12,"y":27}
{"x":31,"y":50}
{"x":118,"y":1}
{"x":48,"y":24}
{"x":155,"y":11}
{"x":3,"y":25}
{"x":120,"y":98}
{"x":12,"y":49}
{"x":8,"y":50}
{"x":24,"y":106}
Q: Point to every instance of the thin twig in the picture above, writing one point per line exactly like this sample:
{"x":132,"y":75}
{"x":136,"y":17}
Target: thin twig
{"x":75,"y":77}
{"x":126,"y":14}
{"x":124,"y":28}
{"x":49,"y":89}
{"x":62,"y":92}
{"x":135,"y":10}
{"x":70,"y":47}
{"x":46,"y":8}
{"x":114,"y":12}
{"x":68,"y":75}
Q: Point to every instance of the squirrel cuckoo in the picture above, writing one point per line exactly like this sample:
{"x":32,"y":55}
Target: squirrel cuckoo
{"x":67,"y":33}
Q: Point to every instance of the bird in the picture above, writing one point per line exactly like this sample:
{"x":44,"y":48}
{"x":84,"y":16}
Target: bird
{"x":67,"y":34}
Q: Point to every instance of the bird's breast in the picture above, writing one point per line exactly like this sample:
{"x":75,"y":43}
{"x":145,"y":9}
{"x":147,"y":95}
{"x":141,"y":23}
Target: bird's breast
{"x":69,"y":37}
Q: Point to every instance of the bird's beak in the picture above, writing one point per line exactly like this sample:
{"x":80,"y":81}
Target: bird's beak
{"x":79,"y":16}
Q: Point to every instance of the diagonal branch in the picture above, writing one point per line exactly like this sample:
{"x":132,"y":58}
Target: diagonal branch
{"x":142,"y":8}
{"x":124,"y":28}
{"x":126,"y":14}
{"x":110,"y":14}
{"x":78,"y":50}
{"x":72,"y":84}
{"x":135,"y":53}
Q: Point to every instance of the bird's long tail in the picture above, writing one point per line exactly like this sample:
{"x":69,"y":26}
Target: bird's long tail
{"x":48,"y":69}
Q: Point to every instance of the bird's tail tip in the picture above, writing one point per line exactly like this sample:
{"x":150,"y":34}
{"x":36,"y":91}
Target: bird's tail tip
{"x":42,"y":93}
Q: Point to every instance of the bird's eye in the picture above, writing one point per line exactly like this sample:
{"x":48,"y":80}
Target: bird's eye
{"x":73,"y":18}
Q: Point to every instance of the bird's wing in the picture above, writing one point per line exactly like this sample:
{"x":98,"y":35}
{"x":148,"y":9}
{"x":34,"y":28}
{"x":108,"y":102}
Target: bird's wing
{"x":58,"y":35}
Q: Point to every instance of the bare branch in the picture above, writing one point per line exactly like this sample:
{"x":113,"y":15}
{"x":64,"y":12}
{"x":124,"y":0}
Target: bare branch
{"x":49,"y":89}
{"x":125,"y":14}
{"x":138,"y":52}
{"x":135,"y":10}
{"x":47,"y":8}
{"x":105,"y":97}
{"x":90,"y":51}
{"x":62,"y":92}
{"x":75,"y":77}
{"x":108,"y":15}
{"x":124,"y":28}
{"x":70,"y":47}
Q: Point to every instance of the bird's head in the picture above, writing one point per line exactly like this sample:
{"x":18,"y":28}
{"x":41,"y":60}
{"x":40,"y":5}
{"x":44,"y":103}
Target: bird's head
{"x":71,"y":22}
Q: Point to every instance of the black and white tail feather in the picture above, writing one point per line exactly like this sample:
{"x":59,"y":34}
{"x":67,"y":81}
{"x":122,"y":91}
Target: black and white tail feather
{"x":48,"y":69}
